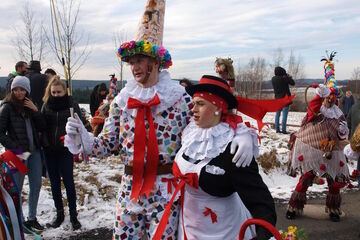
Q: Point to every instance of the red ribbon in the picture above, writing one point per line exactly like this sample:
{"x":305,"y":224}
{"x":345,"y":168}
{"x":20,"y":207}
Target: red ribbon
{"x":13,"y":161}
{"x":138,"y":187}
{"x":189,"y":178}
{"x":232,"y":119}
{"x":212,"y":214}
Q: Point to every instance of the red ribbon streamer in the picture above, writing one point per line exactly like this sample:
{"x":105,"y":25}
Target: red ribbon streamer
{"x":13,"y":161}
{"x":212,"y":214}
{"x":138,"y":187}
{"x":189,"y":178}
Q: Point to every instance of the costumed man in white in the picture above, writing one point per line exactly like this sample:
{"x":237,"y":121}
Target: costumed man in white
{"x":145,"y":124}
{"x":216,"y":196}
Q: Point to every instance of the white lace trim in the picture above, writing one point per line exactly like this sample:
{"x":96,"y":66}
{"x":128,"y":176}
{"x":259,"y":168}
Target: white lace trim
{"x":200,"y":143}
{"x":313,"y":158}
{"x":169,"y":92}
{"x":332,"y":112}
{"x":351,"y":153}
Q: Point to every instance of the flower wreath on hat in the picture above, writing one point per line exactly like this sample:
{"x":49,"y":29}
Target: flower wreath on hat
{"x":128,"y":49}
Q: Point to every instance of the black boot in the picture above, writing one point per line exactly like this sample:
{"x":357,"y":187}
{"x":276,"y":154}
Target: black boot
{"x":334,"y":217}
{"x":74,"y":221}
{"x":58,"y":220}
{"x":34,"y":225}
{"x":290,"y":215}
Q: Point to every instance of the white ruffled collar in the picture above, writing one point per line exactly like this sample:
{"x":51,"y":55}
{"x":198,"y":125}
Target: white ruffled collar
{"x":331,"y":112}
{"x":200,"y":143}
{"x":169,"y":92}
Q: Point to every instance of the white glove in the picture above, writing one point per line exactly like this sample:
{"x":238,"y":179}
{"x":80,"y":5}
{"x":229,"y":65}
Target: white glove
{"x":75,"y":130}
{"x":323,"y":90}
{"x":351,"y":154}
{"x":245,"y":152}
{"x":343,"y":130}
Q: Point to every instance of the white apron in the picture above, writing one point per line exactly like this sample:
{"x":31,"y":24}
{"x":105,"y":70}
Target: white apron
{"x":230,"y":211}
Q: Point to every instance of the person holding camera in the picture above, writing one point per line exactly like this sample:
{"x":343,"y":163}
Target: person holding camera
{"x":281,"y":82}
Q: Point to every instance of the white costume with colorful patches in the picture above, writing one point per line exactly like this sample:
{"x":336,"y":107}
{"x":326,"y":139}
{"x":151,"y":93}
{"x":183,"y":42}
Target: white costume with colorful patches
{"x":134,"y":218}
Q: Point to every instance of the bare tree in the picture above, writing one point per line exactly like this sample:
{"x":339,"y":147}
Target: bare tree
{"x":75,"y":43}
{"x":355,"y":78}
{"x":249,"y":79}
{"x":278,"y":58}
{"x":30,"y":38}
{"x":295,"y":66}
{"x":118,"y":38}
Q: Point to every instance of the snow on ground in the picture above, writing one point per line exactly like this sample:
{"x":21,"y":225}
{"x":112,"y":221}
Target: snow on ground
{"x":97,"y":184}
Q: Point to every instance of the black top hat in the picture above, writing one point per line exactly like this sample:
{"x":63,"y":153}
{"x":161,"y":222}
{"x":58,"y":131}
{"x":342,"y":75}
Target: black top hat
{"x":34,"y":65}
{"x":215,"y":85}
{"x":112,"y":75}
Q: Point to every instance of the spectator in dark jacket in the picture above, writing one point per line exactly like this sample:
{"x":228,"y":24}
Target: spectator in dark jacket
{"x":97,"y":96}
{"x":58,"y":158}
{"x":20,"y":123}
{"x":38,"y":82}
{"x":20,"y":70}
{"x":347,"y":102}
{"x":281,"y":82}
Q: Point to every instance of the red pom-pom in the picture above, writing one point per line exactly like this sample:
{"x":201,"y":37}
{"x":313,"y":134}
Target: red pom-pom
{"x":341,"y":163}
{"x":301,"y":158}
{"x":321,"y":181}
{"x":314,"y":85}
{"x":355,"y":173}
{"x":307,"y":174}
{"x":322,"y":167}
{"x":350,"y":186}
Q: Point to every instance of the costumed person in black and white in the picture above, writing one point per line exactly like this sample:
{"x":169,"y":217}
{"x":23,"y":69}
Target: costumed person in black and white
{"x":217,"y":197}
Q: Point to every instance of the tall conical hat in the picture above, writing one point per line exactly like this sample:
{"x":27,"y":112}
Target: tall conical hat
{"x":149,"y":36}
{"x":329,"y":71}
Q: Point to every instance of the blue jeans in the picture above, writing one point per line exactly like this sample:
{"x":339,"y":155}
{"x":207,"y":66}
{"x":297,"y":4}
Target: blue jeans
{"x":34,"y":165}
{"x":285,"y":112}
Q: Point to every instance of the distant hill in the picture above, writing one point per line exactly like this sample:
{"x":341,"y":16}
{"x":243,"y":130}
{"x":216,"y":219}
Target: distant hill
{"x":83,"y":84}
{"x":305,"y":82}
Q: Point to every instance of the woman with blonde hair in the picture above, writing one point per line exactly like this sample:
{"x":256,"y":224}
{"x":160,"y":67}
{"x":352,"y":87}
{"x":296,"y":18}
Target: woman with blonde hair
{"x":56,"y":110}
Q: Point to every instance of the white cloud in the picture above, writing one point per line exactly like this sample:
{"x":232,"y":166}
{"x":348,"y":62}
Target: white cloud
{"x":198,"y":31}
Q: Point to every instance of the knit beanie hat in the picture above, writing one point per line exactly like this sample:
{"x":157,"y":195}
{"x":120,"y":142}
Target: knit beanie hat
{"x":21,"y":81}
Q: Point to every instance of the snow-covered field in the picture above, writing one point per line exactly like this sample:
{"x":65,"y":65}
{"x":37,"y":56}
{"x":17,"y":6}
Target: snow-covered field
{"x":97,"y":184}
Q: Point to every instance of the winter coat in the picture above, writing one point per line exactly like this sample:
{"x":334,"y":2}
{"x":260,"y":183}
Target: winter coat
{"x":347,"y":103}
{"x":353,"y":117}
{"x":281,"y":85}
{"x":13,"y":132}
{"x":38,"y":83}
{"x":56,"y":115}
{"x":10,"y":78}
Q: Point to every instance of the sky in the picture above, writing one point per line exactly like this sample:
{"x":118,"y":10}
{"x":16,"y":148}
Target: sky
{"x":198,"y":31}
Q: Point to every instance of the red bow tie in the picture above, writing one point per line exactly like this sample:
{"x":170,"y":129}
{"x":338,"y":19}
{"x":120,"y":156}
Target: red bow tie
{"x":152,"y":160}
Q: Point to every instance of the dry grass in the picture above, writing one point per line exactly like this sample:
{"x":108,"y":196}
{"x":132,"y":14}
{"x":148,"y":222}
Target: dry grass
{"x":116,"y":178}
{"x":268,"y":161}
